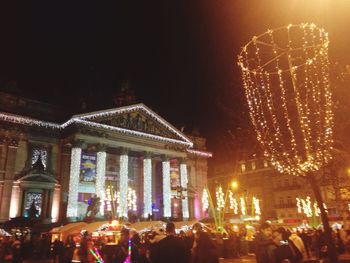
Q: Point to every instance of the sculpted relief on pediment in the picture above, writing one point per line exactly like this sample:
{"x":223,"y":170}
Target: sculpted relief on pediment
{"x":138,"y":122}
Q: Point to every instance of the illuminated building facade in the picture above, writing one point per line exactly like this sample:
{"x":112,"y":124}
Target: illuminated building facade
{"x":58,"y":166}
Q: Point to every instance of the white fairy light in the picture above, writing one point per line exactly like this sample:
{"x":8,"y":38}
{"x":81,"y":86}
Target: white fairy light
{"x":299,"y":208}
{"x":243,"y":207}
{"x":147,"y":187}
{"x":256,"y":203}
{"x":132,"y":108}
{"x":184,"y":182}
{"x":101,"y":177}
{"x":123,"y":188}
{"x":200,"y":153}
{"x":205,"y":200}
{"x":273,"y":117}
{"x":72,"y":207}
{"x":132,"y":200}
{"x":220,"y":202}
{"x":166,"y":189}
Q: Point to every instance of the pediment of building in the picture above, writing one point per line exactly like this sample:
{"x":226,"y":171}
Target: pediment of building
{"x":38,"y":177}
{"x":138,"y":119}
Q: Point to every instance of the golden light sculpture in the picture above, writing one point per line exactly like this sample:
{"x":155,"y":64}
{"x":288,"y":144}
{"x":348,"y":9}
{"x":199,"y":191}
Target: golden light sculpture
{"x":286,"y":82}
{"x":285,"y":74}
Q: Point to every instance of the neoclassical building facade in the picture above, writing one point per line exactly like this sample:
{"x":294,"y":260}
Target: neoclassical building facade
{"x":154,"y":168}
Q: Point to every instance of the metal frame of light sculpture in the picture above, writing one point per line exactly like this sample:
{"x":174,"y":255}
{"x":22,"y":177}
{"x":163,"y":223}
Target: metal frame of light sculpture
{"x":286,"y":82}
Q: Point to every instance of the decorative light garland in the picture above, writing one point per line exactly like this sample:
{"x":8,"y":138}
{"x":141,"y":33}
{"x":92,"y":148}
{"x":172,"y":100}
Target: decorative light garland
{"x":166,"y":189}
{"x":268,"y":83}
{"x":72,"y":207}
{"x":200,"y":153}
{"x":220,"y":202}
{"x":132,"y":200}
{"x":205,"y":200}
{"x":256,"y":204}
{"x":101,"y":177}
{"x":132,"y":108}
{"x":184,"y":182}
{"x":305,"y":206}
{"x":147,"y":187}
{"x":123,"y":188}
{"x":243,"y":207}
{"x":83,"y":119}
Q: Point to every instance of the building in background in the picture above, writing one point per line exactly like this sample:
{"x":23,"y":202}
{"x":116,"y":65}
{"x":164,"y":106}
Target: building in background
{"x":59,"y":166}
{"x":277,"y":192}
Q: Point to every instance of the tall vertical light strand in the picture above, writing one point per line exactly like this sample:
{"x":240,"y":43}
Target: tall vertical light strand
{"x":184,"y":182}
{"x":72,"y":207}
{"x":147,"y":187}
{"x":101,"y":178}
{"x":123,"y":187}
{"x":166,"y":189}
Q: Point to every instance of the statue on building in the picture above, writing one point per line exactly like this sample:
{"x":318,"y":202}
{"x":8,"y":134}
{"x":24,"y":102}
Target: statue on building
{"x":93,"y":207}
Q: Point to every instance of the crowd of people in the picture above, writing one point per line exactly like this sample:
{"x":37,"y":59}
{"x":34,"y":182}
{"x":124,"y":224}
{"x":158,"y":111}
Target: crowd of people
{"x":270,"y":245}
{"x":280,"y":244}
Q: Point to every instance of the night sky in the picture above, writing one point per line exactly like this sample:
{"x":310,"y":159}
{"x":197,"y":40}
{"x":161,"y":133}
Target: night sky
{"x":179,"y":56}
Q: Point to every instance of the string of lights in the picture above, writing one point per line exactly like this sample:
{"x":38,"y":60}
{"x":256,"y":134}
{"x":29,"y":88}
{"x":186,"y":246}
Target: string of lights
{"x":123,"y":188}
{"x":101,"y":177}
{"x":205,"y":200}
{"x":184,"y":182}
{"x":147,"y":189}
{"x":296,"y":134}
{"x":72,"y":205}
{"x":166,"y":188}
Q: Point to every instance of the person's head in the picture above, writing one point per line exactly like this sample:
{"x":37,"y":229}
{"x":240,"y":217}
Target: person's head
{"x":170,"y":228}
{"x":197,"y":228}
{"x":266,"y":229}
{"x":276,"y":237}
{"x":124,"y":235}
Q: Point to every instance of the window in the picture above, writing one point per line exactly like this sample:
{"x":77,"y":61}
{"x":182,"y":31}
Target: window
{"x":281,"y":202}
{"x":286,"y":182}
{"x":253,"y":166}
{"x":243,"y":167}
{"x":39,"y":152}
{"x":265,"y":164}
{"x":289,"y":200}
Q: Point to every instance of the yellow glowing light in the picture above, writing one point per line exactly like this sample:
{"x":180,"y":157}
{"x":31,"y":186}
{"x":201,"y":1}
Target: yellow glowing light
{"x":234,"y":185}
{"x":289,"y":96}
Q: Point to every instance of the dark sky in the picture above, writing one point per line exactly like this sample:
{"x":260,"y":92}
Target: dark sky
{"x":179,"y":56}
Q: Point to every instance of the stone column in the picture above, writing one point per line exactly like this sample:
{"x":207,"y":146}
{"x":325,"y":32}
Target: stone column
{"x":147,"y":186}
{"x":55,"y":203}
{"x":101,"y":176}
{"x":123,"y":184}
{"x":166,"y":188}
{"x":15,"y":200}
{"x":45,"y":196}
{"x":72,"y":207}
{"x":184,"y":183}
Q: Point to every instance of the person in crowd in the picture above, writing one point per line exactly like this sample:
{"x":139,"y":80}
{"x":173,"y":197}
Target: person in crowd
{"x":299,"y":243}
{"x":203,"y":249}
{"x":170,"y":249}
{"x":263,"y":244}
{"x":123,"y":248}
{"x":57,"y":250}
{"x":6,"y":254}
{"x":69,"y":248}
{"x":286,"y":249}
{"x":83,"y":249}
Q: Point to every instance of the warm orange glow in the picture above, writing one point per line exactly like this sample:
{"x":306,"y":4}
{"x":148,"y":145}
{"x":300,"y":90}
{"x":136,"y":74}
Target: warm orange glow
{"x":234,"y":185}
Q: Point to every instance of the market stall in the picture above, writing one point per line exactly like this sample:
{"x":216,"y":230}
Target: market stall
{"x":63,"y":232}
